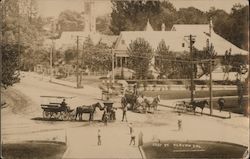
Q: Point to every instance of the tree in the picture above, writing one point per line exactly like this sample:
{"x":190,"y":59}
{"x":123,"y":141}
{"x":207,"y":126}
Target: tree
{"x":71,"y":21}
{"x":10,"y":65}
{"x":206,"y":54}
{"x":103,"y":23}
{"x":163,"y":55}
{"x":132,"y":15}
{"x":140,"y":54}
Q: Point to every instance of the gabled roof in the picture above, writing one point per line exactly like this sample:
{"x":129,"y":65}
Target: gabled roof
{"x":172,"y":39}
{"x":68,"y":38}
{"x":176,"y":39}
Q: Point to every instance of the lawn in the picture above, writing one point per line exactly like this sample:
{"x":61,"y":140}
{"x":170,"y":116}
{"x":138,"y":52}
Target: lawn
{"x":180,"y":94}
{"x":34,"y":150}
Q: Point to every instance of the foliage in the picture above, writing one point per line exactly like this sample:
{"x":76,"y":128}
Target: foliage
{"x":103,"y":23}
{"x":207,"y":53}
{"x":96,"y":57}
{"x":140,"y":53}
{"x":70,"y":21}
{"x":10,"y":65}
{"x":163,"y":54}
{"x":133,"y":15}
{"x":22,"y":27}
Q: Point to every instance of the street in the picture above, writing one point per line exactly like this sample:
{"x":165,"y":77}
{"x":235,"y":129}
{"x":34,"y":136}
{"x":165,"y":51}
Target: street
{"x":22,"y":120}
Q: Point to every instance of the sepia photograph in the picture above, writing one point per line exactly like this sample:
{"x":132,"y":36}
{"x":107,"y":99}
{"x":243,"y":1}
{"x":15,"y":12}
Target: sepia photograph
{"x":124,"y":79}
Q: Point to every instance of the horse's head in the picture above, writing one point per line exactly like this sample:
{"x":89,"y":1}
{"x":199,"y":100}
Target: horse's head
{"x":206,"y":103}
{"x":157,"y":98}
{"x":98,"y":104}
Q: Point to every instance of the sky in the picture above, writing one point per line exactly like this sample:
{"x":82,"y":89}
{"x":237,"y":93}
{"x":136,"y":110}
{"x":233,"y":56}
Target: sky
{"x":54,"y":7}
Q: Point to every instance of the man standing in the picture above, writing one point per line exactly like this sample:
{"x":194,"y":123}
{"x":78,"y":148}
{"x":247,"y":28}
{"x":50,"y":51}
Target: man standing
{"x":124,"y":112}
{"x":221,"y":103}
{"x":99,"y":142}
{"x":132,"y":138}
{"x":179,"y":121}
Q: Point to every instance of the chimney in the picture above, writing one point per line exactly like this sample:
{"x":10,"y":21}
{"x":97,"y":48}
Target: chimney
{"x":163,"y":27}
{"x":210,"y":27}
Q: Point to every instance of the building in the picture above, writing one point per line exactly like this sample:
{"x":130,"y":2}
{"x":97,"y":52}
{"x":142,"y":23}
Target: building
{"x":176,"y":39}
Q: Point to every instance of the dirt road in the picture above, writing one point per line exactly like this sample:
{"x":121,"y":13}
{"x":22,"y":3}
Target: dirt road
{"x":20,"y":121}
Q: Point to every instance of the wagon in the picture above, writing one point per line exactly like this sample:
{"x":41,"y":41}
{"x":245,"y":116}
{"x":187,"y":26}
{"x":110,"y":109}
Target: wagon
{"x":183,"y":106}
{"x":52,"y":108}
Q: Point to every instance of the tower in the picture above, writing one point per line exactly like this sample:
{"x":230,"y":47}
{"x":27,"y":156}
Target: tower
{"x":89,"y":15}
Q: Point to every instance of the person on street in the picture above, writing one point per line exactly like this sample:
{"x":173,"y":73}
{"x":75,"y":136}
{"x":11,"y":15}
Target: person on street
{"x":132,"y":138}
{"x":99,"y":142}
{"x":179,"y":121}
{"x":124,"y":113}
{"x":221,"y":103}
{"x":130,"y":128}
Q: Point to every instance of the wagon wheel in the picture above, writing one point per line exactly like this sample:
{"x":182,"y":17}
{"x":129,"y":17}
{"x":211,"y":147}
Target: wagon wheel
{"x":46,"y":114}
{"x":64,"y":115}
{"x":71,"y":115}
{"x":56,"y":115}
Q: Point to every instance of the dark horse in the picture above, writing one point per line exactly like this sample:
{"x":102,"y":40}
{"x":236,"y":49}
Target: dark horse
{"x":87,"y":109}
{"x":201,"y":104}
{"x":129,"y":99}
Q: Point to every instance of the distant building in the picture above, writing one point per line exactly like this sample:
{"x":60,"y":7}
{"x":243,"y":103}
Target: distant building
{"x":176,"y":41}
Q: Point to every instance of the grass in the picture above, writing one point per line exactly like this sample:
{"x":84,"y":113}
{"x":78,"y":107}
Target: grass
{"x":180,"y":94}
{"x":34,"y":150}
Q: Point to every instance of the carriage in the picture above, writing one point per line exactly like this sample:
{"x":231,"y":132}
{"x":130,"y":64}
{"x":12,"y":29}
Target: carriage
{"x":183,"y":106}
{"x":52,"y":108}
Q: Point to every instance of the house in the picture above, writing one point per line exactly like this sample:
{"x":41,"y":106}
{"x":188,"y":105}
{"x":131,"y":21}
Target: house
{"x":176,"y":39}
{"x":68,"y":39}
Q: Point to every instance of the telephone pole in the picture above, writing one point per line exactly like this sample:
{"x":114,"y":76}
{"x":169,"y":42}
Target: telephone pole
{"x":191,"y":42}
{"x":77,"y":63}
{"x":113,"y":65}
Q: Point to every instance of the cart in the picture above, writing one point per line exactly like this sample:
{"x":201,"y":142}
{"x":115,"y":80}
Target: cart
{"x":52,"y":108}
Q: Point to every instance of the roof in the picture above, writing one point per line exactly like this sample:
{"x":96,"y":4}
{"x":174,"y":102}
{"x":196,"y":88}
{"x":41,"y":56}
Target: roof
{"x":172,"y":39}
{"x":68,"y":38}
{"x":108,"y":39}
{"x":177,"y":40}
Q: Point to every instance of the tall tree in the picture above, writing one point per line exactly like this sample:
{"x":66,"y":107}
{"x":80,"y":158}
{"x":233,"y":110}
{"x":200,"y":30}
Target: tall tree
{"x":163,"y":57}
{"x":71,"y":21}
{"x":140,"y":54}
{"x":10,"y":65}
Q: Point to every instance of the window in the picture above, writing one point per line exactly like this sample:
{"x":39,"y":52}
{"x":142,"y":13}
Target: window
{"x":183,"y":44}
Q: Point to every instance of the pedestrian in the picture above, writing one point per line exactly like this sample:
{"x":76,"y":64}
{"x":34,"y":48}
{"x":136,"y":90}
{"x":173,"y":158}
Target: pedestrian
{"x":124,"y":113}
{"x":221,"y":103}
{"x":179,"y":121}
{"x":132,"y":138}
{"x":130,"y":128}
{"x":99,"y":142}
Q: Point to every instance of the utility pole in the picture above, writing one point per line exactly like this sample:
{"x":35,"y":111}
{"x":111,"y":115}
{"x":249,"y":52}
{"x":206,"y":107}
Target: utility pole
{"x":77,"y":63}
{"x":51,"y":60}
{"x":210,"y":86}
{"x":191,"y":42}
{"x":113,"y":65}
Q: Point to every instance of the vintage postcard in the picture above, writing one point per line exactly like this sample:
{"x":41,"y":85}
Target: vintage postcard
{"x":134,"y":79}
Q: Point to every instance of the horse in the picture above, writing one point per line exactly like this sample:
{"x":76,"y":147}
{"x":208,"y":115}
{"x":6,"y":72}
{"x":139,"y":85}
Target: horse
{"x":152,"y":102}
{"x":87,"y":109}
{"x":201,"y":104}
{"x":129,"y":99}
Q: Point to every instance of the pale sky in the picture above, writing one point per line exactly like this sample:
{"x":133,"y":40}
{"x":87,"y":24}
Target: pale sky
{"x":54,"y":7}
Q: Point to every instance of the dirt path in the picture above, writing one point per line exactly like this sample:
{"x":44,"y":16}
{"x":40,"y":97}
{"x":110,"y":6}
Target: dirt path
{"x":18,"y":123}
